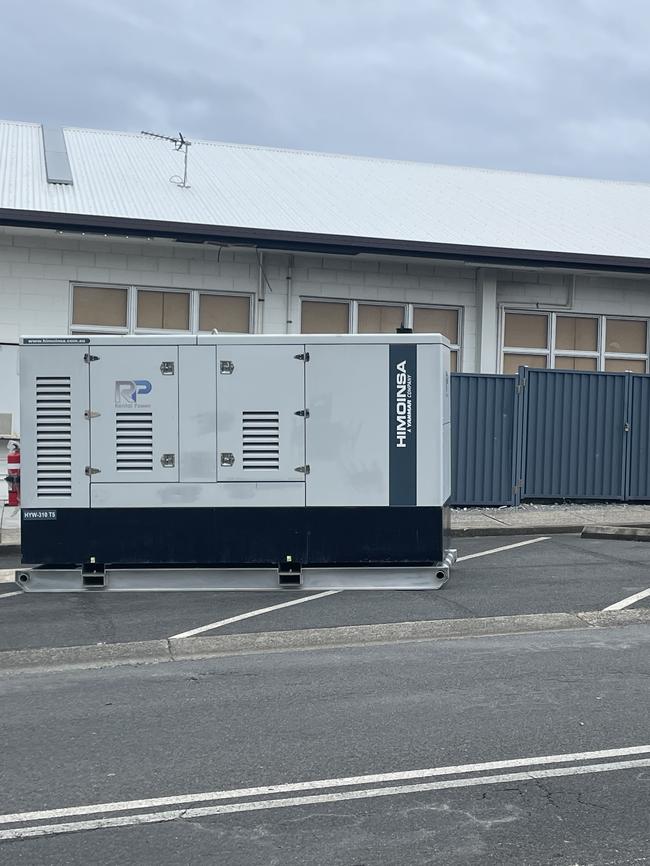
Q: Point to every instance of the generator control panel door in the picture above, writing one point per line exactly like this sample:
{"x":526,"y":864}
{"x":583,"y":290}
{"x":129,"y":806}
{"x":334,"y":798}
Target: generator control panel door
{"x":133,"y":414}
{"x":261,"y":413}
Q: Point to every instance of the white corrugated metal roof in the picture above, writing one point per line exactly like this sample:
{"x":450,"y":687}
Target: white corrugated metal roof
{"x":126,"y":175}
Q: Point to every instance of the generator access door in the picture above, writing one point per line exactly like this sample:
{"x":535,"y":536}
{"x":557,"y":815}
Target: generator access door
{"x":261,"y":413}
{"x":134,"y":414}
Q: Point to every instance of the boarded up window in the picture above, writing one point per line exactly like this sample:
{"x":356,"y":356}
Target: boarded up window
{"x":526,"y":331}
{"x":168,"y":311}
{"x":379,"y":319}
{"x":574,"y":332}
{"x":92,"y":305}
{"x":324,"y":317}
{"x":228,"y":314}
{"x":427,"y":320}
{"x":512,"y":362}
{"x":626,"y":335}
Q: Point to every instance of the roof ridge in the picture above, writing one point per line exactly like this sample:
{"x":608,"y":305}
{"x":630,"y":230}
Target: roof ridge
{"x":350,"y":156}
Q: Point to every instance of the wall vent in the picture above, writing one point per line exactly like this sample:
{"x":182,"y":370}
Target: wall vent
{"x":261,"y":440}
{"x":134,"y":441}
{"x":53,"y":436}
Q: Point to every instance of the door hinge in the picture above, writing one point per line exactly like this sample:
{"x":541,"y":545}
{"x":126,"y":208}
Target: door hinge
{"x":626,"y":427}
{"x":304,"y":469}
{"x":303,"y":357}
{"x":90,"y":470}
{"x":168,"y":460}
{"x":302,"y":413}
{"x":167,"y":368}
{"x":226,"y":368}
{"x":88,"y":358}
{"x":90,"y":413}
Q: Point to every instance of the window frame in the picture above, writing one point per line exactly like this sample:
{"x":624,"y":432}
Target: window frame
{"x":352,"y":319}
{"x":407,"y":306}
{"x":190,"y":317}
{"x":251,"y":307}
{"x":132,"y":308}
{"x":551,"y":352}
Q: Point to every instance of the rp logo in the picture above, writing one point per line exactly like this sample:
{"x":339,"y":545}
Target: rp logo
{"x":127,"y":391}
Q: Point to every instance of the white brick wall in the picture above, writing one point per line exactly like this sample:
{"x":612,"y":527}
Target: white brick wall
{"x":38,"y":267}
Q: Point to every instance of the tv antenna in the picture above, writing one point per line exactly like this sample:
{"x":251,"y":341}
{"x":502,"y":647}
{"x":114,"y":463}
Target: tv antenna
{"x":181,"y":144}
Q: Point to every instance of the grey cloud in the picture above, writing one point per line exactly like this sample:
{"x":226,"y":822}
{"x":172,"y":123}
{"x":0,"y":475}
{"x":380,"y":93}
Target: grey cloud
{"x":529,"y":85}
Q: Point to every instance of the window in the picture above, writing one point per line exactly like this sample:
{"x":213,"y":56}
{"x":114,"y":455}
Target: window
{"x":511,"y":363}
{"x":168,"y":311}
{"x":439,"y":320}
{"x":99,"y":306}
{"x":129,"y":309}
{"x":343,"y":317}
{"x":626,"y":336}
{"x":229,"y":314}
{"x":325,"y":317}
{"x":379,"y":318}
{"x":526,"y":331}
{"x":574,"y":342}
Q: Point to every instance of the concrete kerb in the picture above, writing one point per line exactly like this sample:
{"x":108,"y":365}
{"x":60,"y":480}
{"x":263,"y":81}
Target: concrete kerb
{"x":488,"y":531}
{"x":617,"y":533}
{"x":193,"y":649}
{"x":549,"y":529}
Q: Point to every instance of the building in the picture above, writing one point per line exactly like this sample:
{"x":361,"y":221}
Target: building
{"x":101,"y":231}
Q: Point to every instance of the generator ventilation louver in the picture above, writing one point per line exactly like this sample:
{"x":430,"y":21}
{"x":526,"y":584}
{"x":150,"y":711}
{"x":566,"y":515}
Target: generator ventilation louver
{"x":134,"y":441}
{"x":261,"y":440}
{"x":53,"y":436}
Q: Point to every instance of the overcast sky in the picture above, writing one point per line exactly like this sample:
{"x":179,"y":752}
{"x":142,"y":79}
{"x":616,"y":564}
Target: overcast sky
{"x":559,"y":86}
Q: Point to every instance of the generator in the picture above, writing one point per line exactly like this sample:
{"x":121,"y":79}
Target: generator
{"x":235,"y":462}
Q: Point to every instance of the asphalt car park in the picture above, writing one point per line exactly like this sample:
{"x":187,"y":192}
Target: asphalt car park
{"x":495,"y":576}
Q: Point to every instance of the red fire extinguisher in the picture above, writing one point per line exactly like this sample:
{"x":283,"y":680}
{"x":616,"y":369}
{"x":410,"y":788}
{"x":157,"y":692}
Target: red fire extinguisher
{"x":13,"y":474}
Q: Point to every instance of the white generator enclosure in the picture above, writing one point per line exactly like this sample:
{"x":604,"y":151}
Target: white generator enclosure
{"x":228,"y":461}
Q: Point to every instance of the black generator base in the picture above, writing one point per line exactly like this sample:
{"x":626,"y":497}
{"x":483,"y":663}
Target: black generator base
{"x":236,"y":537}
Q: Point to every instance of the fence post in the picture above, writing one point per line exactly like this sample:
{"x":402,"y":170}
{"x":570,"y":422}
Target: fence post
{"x":520,"y":421}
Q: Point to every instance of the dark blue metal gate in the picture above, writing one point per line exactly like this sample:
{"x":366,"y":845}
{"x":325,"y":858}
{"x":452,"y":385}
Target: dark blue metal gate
{"x":550,"y":435}
{"x":638,"y":424}
{"x":483,"y":439}
{"x":574,"y":430}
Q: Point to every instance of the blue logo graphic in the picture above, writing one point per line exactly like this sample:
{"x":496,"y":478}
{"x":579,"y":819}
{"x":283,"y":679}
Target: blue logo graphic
{"x":128,"y":390}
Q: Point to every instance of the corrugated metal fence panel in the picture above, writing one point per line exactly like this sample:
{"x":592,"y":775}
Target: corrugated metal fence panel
{"x":639,"y":439}
{"x":482,"y":424}
{"x":575,"y":435}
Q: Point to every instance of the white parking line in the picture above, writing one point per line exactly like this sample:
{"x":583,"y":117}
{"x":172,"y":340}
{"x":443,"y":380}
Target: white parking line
{"x":9,"y":594}
{"x":252,"y":613}
{"x":505,"y":547}
{"x":319,"y":784}
{"x":626,"y":602}
{"x":30,"y":830}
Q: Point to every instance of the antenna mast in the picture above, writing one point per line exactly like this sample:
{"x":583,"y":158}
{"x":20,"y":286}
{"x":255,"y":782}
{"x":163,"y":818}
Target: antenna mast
{"x":179,"y":143}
